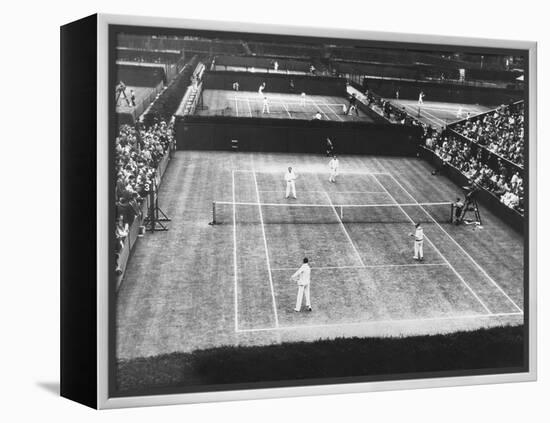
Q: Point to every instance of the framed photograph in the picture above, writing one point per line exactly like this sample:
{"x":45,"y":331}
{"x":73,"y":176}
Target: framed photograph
{"x":254,"y":211}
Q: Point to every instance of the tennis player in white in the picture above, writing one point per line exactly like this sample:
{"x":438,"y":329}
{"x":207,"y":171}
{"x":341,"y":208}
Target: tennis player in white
{"x":418,"y":242}
{"x":303,"y":99}
{"x":261,"y":89}
{"x":265,"y":108}
{"x":290,"y":179}
{"x":333,"y":165}
{"x":303,"y":278}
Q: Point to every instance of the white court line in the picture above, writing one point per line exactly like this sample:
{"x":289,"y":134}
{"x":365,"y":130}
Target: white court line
{"x":249,"y":108}
{"x":331,"y":205}
{"x":336,"y":192}
{"x":266,"y":253}
{"x":349,"y":172}
{"x":359,"y":192}
{"x":414,"y":113}
{"x":431,"y":107}
{"x":384,"y":322}
{"x":453,"y":110}
{"x":236,"y":306}
{"x":284,"y":106}
{"x":337,"y":115}
{"x":460,"y":247}
{"x":299,"y":103}
{"x":443,"y":108}
{"x":345,"y":231}
{"x":368,"y":266}
{"x":437,"y":250}
{"x":435,"y":117}
{"x":318,"y":108}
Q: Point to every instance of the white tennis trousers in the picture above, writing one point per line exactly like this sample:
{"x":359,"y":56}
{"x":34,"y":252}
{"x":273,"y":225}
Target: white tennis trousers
{"x":418,"y":249}
{"x":290,"y":186}
{"x":301,"y":290}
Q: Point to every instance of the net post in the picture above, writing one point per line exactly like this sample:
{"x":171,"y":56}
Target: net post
{"x":213,"y":213}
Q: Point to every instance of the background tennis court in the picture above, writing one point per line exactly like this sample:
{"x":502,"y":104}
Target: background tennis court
{"x":281,"y":105}
{"x":439,"y":114}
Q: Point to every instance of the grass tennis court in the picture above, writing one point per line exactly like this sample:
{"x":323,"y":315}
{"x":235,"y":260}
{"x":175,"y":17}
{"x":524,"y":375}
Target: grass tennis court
{"x":199,"y":286}
{"x":362,"y":272}
{"x":439,"y":114}
{"x":141,"y":93}
{"x":282,"y":106}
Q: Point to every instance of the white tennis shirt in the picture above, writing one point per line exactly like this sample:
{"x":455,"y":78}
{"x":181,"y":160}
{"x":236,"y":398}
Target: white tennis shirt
{"x":419,"y":234}
{"x":303,"y":274}
{"x":290,"y":176}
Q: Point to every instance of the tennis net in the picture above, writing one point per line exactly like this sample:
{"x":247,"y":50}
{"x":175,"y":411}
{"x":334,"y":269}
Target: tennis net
{"x":226,"y":212}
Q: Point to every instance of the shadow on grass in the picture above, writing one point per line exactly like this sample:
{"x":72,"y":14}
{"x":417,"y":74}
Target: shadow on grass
{"x":483,"y":351}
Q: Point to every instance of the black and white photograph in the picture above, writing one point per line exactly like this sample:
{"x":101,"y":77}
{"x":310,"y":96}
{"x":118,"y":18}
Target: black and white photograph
{"x":293,"y":210}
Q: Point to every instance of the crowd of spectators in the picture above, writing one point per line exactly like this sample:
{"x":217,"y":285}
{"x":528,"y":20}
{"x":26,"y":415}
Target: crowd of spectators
{"x":501,"y":132}
{"x":137,"y":157}
{"x":497,"y":178}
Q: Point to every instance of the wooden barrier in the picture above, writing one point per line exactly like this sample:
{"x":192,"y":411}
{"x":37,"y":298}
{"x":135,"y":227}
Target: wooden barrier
{"x":130,"y":241}
{"x":445,"y":91}
{"x":260,"y":62}
{"x":294,"y":136}
{"x":275,"y":82}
